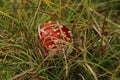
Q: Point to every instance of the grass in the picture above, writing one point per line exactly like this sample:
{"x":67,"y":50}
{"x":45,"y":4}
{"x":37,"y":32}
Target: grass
{"x":95,"y":25}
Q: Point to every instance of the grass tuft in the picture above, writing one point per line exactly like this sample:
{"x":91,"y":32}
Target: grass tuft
{"x":94,"y":53}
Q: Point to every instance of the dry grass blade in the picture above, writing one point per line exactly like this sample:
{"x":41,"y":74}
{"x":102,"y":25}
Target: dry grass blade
{"x":36,"y":12}
{"x":91,"y":70}
{"x":21,"y":74}
{"x":111,"y":22}
{"x":1,"y":12}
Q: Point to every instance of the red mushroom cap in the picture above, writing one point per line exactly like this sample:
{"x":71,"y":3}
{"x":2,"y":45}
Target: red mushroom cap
{"x":51,"y":34}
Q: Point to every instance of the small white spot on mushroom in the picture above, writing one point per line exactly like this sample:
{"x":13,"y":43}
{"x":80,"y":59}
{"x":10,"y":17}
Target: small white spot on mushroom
{"x":61,"y":26}
{"x":52,"y":27}
{"x":68,"y":38}
{"x":54,"y":30}
{"x":50,"y":33}
{"x":69,"y":32}
{"x":52,"y":46}
{"x":58,"y":33}
{"x":49,"y":22}
{"x":49,"y":46}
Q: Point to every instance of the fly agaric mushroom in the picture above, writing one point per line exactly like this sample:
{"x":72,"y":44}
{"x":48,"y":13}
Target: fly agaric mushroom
{"x":52,"y":36}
